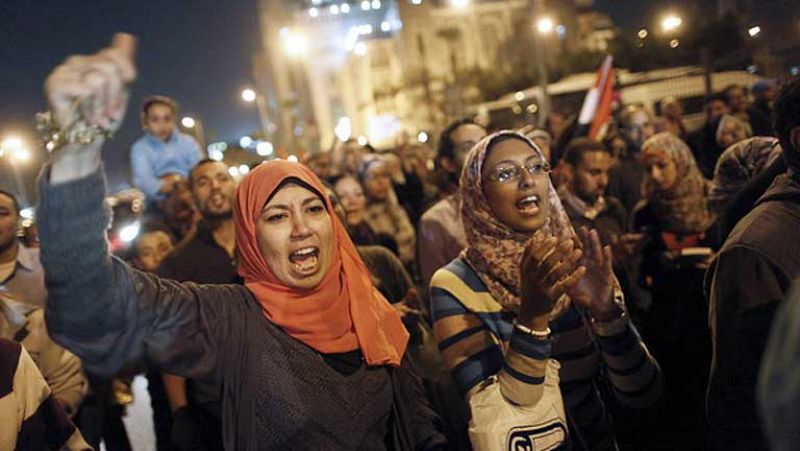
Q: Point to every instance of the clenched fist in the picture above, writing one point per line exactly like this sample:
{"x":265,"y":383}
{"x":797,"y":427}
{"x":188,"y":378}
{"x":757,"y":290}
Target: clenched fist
{"x":94,"y":87}
{"x":88,"y":91}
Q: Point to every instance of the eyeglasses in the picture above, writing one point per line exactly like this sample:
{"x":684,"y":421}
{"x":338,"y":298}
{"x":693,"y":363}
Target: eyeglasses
{"x":508,"y":173}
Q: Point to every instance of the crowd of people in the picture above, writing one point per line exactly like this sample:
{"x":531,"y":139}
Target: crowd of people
{"x":513,"y":289}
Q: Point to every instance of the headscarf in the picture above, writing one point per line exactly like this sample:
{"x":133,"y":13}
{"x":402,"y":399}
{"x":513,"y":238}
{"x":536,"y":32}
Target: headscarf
{"x":684,"y":207}
{"x":739,"y":164}
{"x":345,"y":311}
{"x":731,"y":119}
{"x":494,"y":250}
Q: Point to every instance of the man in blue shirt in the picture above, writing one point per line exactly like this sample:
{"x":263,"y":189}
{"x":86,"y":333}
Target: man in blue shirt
{"x":163,"y":154}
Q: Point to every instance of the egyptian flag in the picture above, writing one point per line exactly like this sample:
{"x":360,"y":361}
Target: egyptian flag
{"x":596,"y":111}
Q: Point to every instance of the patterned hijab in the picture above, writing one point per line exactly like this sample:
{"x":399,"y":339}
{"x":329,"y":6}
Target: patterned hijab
{"x":684,"y":207}
{"x":739,"y":164}
{"x":494,"y":250}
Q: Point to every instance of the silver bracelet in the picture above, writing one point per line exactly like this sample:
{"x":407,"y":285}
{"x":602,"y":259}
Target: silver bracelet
{"x":534,"y":333}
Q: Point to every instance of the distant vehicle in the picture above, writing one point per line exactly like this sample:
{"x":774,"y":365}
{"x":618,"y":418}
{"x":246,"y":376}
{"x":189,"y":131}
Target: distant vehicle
{"x":687,"y":83}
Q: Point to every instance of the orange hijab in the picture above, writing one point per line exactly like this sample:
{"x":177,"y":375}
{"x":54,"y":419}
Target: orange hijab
{"x":345,"y":311}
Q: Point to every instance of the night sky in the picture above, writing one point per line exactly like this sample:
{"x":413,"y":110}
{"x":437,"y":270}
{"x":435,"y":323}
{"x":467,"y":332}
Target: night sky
{"x":197,"y":51}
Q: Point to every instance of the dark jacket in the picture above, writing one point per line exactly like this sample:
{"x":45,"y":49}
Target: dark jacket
{"x":200,"y":260}
{"x":675,"y":330}
{"x":749,"y":279}
{"x":625,"y":180}
{"x":277,"y":392}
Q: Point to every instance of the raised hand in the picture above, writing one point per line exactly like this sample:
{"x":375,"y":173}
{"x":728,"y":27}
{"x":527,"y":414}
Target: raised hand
{"x":549,"y":268}
{"x":87,"y":91}
{"x":94,"y":87}
{"x":595,"y":290}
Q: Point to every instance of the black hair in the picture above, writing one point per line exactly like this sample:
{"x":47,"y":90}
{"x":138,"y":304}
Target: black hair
{"x":13,"y":200}
{"x":731,"y":87}
{"x":150,"y":226}
{"x":446,"y":147}
{"x":296,"y":181}
{"x":504,"y":138}
{"x":580,"y":146}
{"x":159,"y":100}
{"x":786,"y":116}
{"x":714,"y":96}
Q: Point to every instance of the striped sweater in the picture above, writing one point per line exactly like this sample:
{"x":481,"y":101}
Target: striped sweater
{"x":30,"y":417}
{"x":477,"y":340}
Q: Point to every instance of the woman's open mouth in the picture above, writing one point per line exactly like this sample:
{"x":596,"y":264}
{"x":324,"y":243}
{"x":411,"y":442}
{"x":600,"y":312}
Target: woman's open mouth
{"x":305,"y":260}
{"x":529,"y":205}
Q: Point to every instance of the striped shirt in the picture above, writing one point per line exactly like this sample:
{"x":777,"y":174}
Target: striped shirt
{"x":486,"y":343}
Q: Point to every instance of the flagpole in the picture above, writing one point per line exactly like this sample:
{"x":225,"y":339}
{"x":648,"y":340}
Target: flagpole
{"x":541,"y":54}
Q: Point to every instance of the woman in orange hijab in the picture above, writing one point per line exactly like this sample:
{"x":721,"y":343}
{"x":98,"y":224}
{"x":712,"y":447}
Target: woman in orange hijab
{"x":307,"y":354}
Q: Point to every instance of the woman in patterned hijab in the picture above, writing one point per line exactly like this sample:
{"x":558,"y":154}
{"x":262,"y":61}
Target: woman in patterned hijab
{"x":503,"y":307}
{"x":494,"y":249}
{"x":738,"y":165}
{"x":674,"y":187}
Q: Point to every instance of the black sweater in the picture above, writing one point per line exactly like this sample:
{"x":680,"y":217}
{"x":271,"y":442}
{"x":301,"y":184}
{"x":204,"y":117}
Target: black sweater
{"x":277,"y":393}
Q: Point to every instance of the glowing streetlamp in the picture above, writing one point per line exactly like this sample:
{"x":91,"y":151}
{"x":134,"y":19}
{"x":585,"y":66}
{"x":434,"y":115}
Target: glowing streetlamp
{"x":188,"y":122}
{"x":754,"y":31}
{"x":671,"y":23}
{"x":15,"y":150}
{"x":360,"y":49}
{"x":642,"y":33}
{"x":248,"y":95}
{"x":545,"y":25}
{"x":295,"y":44}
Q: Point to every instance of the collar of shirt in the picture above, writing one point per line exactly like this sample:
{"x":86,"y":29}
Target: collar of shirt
{"x":153,"y":140}
{"x":24,"y":258}
{"x":15,"y":313}
{"x":590,"y":212}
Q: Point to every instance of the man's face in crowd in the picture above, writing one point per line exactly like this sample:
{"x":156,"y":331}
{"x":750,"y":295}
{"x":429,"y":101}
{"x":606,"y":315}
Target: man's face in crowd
{"x":352,"y":155}
{"x":321,"y":165}
{"x":151,"y":250}
{"x":160,"y":121}
{"x":716,"y":109}
{"x":213,"y":189}
{"x":639,"y":127}
{"x":9,"y":222}
{"x":673,"y":109}
{"x":590,"y":176}
{"x":179,"y":203}
{"x":737,"y":99}
{"x":464,"y":138}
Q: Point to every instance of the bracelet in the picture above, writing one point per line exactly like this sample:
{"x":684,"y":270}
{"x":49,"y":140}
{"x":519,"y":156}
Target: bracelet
{"x":534,"y":333}
{"x":77,"y":132}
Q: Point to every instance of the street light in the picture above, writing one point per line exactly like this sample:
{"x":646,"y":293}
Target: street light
{"x":671,"y":23}
{"x":360,"y":49}
{"x":248,"y":95}
{"x":295,"y":44}
{"x":188,"y":122}
{"x":545,"y":25}
{"x":15,"y":150}
{"x":642,"y":33}
{"x":754,"y":31}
